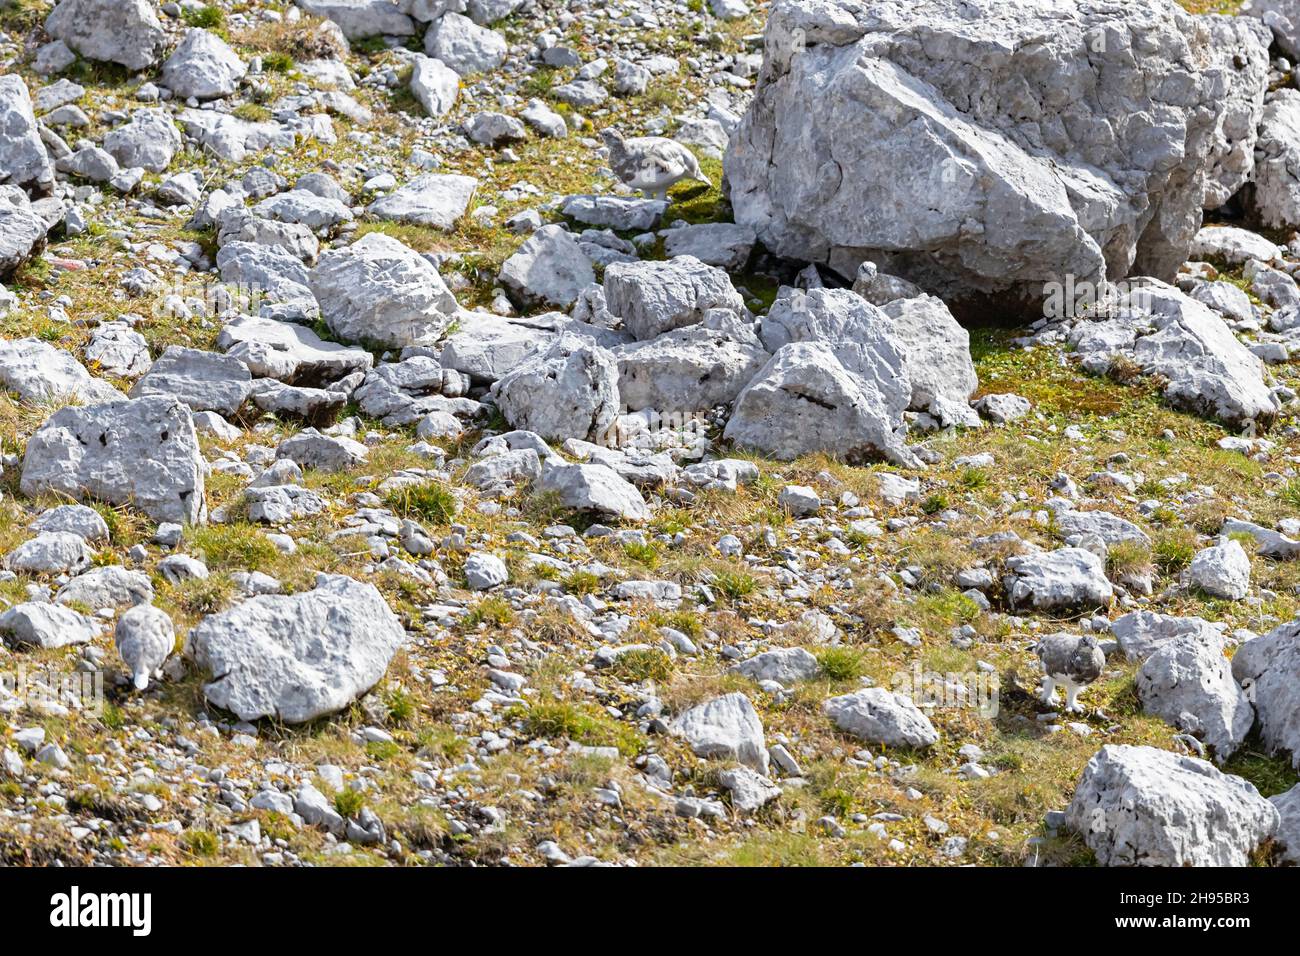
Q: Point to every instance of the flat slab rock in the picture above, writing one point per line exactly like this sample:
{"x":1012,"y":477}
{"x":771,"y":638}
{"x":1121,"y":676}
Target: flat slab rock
{"x":1141,"y":806}
{"x":141,"y":452}
{"x":435,"y":199}
{"x":297,"y":657}
{"x":880,"y":716}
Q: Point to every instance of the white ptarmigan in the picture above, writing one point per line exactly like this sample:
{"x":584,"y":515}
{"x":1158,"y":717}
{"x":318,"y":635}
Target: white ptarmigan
{"x":144,"y":637}
{"x":651,"y":164}
{"x":1072,"y":661}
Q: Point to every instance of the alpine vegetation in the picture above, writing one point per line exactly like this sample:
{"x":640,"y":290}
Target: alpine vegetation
{"x":648,"y":433}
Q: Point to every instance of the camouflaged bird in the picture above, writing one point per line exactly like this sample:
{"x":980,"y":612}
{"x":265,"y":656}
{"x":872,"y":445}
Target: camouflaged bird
{"x":1072,"y":661}
{"x":651,"y":164}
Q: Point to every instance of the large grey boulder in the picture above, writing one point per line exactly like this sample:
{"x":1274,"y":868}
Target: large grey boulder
{"x":80,"y":520}
{"x":486,"y":346}
{"x":935,"y":349}
{"x":1060,"y":580}
{"x":434,"y":199}
{"x":785,"y":665}
{"x":306,"y":208}
{"x":594,"y":488}
{"x":297,"y":657}
{"x":463,"y":45}
{"x":1268,"y":669}
{"x":274,"y":275}
{"x":310,"y":449}
{"x":107,"y":586}
{"x":622,"y":213}
{"x":1141,"y":633}
{"x":722,"y":244}
{"x":725,"y":728}
{"x":1208,"y":371}
{"x":1280,"y":16}
{"x":237,"y":224}
{"x":150,"y":140}
{"x":1288,"y":831}
{"x":1188,"y":683}
{"x":1221,"y":571}
{"x":379,"y":291}
{"x":38,"y":372}
{"x":986,"y":150}
{"x":361,"y":19}
{"x":1275,"y":198}
{"x":693,"y":368}
{"x":126,"y":32}
{"x":230,"y":138}
{"x":568,"y":391}
{"x":804,"y":400}
{"x":51,"y":552}
{"x":880,"y":716}
{"x":936,"y":354}
{"x":1232,"y":246}
{"x":1111,"y":528}
{"x":140,"y":452}
{"x":34,"y":624}
{"x":22,"y":231}
{"x":1139,"y":806}
{"x":23,"y":160}
{"x":205,"y":381}
{"x":203,"y":66}
{"x":550,"y":268}
{"x":435,"y":85}
{"x":656,"y":297}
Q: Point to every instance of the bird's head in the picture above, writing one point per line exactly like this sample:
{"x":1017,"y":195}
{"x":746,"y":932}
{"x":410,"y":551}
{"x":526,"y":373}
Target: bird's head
{"x":612,"y":137}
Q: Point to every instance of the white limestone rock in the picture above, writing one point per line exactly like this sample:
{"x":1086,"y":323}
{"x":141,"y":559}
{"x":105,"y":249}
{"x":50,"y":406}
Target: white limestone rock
{"x":725,"y":728}
{"x":1221,"y":571}
{"x":1140,"y":806}
{"x":23,"y":159}
{"x":1188,"y":683}
{"x":596,"y":488}
{"x":550,"y":268}
{"x":897,"y":131}
{"x":435,"y":85}
{"x":47,"y":626}
{"x":379,"y":291}
{"x":203,"y":66}
{"x":880,"y":716}
{"x":297,"y":657}
{"x":38,"y":372}
{"x":463,"y":45}
{"x":138,"y":452}
{"x":1268,"y":669}
{"x":205,"y":381}
{"x":804,"y":400}
{"x":434,"y":199}
{"x":1064,"y":579}
{"x":656,"y":297}
{"x":126,"y":32}
{"x":568,"y":391}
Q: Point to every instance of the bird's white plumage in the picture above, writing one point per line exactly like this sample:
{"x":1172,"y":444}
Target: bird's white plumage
{"x":652,"y":164}
{"x":1072,"y":662}
{"x":145,"y":638}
